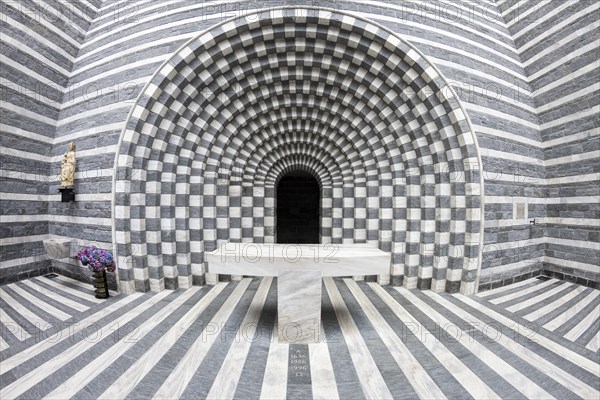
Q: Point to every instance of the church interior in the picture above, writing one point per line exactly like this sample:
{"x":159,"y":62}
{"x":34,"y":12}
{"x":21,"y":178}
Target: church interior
{"x":300,"y":199}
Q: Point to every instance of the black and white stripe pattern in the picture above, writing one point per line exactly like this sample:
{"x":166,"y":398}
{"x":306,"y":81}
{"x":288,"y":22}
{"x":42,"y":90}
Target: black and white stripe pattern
{"x":31,"y":308}
{"x":379,"y":342}
{"x":567,"y":309}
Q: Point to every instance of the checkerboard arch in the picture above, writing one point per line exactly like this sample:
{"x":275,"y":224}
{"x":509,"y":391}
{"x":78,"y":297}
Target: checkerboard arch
{"x":299,"y":133}
{"x":300,"y":163}
{"x":369,"y":96}
{"x":176,"y":134}
{"x":315,"y":112}
{"x":339,"y":174}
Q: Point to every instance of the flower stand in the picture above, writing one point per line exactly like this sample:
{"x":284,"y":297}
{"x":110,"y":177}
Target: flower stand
{"x":101,"y":284}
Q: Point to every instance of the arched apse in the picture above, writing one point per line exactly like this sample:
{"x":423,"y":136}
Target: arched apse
{"x":388,"y":135}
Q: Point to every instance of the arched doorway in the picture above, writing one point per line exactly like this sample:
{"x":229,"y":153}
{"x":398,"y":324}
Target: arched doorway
{"x":298,"y":217}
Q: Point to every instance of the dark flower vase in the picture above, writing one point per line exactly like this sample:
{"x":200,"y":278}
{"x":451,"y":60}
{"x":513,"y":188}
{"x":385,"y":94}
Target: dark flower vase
{"x":101,"y":285}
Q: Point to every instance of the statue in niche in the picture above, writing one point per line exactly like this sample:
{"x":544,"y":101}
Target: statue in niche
{"x":67,"y":171}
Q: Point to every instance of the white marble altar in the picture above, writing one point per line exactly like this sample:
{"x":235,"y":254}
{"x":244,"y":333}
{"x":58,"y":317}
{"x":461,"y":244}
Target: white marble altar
{"x":299,"y":268}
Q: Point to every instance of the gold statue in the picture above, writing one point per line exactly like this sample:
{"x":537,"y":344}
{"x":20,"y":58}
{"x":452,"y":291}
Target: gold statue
{"x":67,"y":172}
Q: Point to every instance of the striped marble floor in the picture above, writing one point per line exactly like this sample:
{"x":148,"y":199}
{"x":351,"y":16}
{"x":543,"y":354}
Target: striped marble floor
{"x":219,"y":342}
{"x":567,"y":309}
{"x":30,"y":307}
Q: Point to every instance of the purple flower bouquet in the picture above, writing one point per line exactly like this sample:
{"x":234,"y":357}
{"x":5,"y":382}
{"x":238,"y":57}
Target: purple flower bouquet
{"x":97,"y":260}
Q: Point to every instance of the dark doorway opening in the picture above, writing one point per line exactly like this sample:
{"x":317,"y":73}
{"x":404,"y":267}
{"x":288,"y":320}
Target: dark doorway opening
{"x":298,"y":197}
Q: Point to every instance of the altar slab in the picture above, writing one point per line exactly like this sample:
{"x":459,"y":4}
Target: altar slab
{"x":265,"y":259}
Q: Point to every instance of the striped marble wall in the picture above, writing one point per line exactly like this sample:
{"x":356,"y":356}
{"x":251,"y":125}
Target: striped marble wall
{"x":558,"y":42}
{"x":471,"y":43}
{"x":40,"y":43}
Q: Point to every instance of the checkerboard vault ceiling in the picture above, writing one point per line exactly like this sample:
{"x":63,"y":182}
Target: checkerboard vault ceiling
{"x":340,"y":97}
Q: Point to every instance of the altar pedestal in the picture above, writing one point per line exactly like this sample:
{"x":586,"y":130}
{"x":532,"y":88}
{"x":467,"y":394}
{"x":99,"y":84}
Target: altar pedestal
{"x":299,"y":306}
